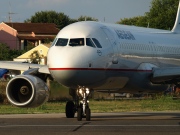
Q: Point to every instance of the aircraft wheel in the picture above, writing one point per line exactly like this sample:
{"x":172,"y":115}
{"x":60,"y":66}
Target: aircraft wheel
{"x":88,"y":114}
{"x":79,"y":114}
{"x":70,"y":109}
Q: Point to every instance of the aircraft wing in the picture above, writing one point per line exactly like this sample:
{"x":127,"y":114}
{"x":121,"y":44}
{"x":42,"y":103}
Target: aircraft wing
{"x":10,"y":65}
{"x":166,"y":75}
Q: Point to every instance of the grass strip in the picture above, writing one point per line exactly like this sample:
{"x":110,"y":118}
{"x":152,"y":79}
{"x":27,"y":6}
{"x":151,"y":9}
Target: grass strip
{"x":165,"y":103}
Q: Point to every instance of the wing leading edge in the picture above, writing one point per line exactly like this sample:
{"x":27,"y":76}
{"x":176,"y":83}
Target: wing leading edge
{"x":23,"y":66}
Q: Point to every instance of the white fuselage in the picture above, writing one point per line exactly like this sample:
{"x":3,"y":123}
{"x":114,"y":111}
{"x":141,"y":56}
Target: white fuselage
{"x":123,"y":62}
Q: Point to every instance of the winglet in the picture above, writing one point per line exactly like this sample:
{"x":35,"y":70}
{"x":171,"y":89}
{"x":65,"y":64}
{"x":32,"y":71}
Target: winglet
{"x":176,"y":28}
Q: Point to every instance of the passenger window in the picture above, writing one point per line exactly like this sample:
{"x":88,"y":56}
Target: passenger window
{"x":90,"y":43}
{"x":76,"y":42}
{"x":97,"y":42}
{"x":61,"y":42}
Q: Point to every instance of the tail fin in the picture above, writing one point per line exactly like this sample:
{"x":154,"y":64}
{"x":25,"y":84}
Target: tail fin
{"x":176,"y":28}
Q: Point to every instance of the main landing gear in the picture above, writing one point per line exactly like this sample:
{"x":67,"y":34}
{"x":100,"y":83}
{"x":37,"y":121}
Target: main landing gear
{"x":81,"y":107}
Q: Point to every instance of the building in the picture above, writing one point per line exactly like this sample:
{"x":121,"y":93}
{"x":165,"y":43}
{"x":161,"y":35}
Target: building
{"x":17,"y":35}
{"x":42,"y":49}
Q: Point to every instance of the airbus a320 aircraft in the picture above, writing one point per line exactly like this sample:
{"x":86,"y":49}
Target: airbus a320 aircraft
{"x":88,"y":56}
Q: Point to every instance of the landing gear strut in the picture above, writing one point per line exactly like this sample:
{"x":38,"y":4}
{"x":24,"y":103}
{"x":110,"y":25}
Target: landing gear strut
{"x":81,"y":107}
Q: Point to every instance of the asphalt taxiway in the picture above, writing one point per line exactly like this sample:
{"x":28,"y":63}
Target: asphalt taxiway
{"x":136,"y":123}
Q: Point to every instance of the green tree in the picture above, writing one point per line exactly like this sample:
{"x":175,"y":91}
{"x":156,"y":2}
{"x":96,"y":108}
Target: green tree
{"x":86,"y":18}
{"x":60,"y":19}
{"x":35,"y":57}
{"x":162,"y":15}
{"x":15,"y":53}
{"x":83,"y":18}
{"x":4,"y":51}
{"x":7,"y":54}
{"x":137,"y":21}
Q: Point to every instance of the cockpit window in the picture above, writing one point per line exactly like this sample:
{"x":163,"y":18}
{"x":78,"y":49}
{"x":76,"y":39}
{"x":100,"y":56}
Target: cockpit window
{"x":97,"y":42}
{"x":54,"y":42}
{"x":90,"y":43}
{"x":61,"y":42}
{"x":76,"y":42}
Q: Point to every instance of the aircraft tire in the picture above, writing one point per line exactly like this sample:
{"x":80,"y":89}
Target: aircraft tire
{"x":70,"y":109}
{"x":88,"y":114}
{"x":79,"y":114}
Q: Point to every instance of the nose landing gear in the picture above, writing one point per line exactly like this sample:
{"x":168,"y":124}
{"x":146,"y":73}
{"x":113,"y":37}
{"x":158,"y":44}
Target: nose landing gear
{"x":82,"y":107}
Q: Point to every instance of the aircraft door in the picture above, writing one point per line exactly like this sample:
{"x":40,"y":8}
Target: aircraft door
{"x":112,"y":40}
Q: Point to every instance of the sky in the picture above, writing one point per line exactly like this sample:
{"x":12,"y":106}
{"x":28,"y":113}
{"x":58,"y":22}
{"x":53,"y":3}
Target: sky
{"x":111,"y":10}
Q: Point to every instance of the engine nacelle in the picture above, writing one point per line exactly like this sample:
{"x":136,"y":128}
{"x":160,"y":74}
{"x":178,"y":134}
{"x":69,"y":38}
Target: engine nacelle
{"x":27,"y":91}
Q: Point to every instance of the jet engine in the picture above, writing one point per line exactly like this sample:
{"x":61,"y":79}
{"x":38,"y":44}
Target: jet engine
{"x":27,"y":91}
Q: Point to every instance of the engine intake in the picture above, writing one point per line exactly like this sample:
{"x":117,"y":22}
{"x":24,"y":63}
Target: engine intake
{"x":27,"y":91}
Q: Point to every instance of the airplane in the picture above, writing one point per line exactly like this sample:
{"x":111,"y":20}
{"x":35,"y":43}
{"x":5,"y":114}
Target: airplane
{"x":87,"y":56}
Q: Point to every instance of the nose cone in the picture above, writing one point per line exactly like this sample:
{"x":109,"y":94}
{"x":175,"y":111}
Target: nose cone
{"x":62,"y":57}
{"x":68,"y":65}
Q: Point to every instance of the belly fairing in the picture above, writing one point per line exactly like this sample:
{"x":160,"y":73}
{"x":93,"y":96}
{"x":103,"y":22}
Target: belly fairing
{"x":79,"y":77}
